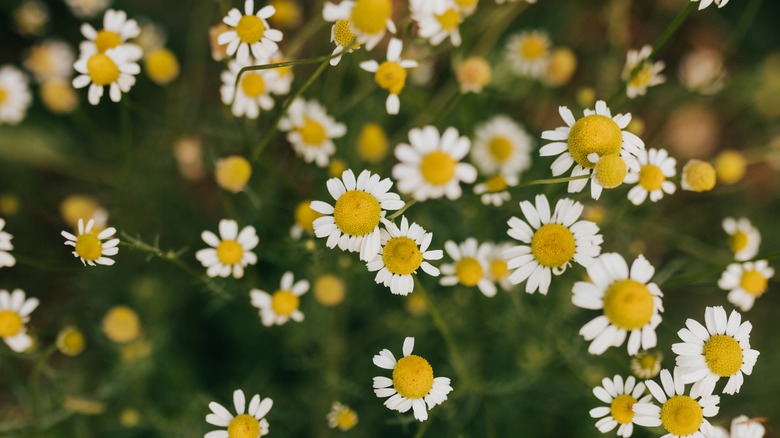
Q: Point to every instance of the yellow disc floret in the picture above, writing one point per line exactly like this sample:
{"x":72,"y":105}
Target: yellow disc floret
{"x":253,"y":85}
{"x":305,"y":216}
{"x":232,"y":173}
{"x":562,"y":65}
{"x":229,"y":252}
{"x":312,"y":132}
{"x":496,"y":184}
{"x":534,"y":47}
{"x":553,"y":245}
{"x":594,"y":134}
{"x":70,"y":341}
{"x":723,"y":355}
{"x":753,"y":282}
{"x":730,"y":166}
{"x":89,"y":247}
{"x":329,"y":290}
{"x":121,"y":324}
{"x":413,"y":377}
{"x":698,"y":176}
{"x":284,"y":302}
{"x":401,"y":256}
{"x":250,"y":29}
{"x":437,"y":168}
{"x":739,"y":241}
{"x":162,"y":66}
{"x":243,"y":426}
{"x":500,"y":148}
{"x":343,"y":36}
{"x":106,"y":39}
{"x":449,"y":20}
{"x":681,"y":415}
{"x":469,"y":271}
{"x":610,"y":171}
{"x":643,"y":77}
{"x":10,"y":323}
{"x":622,"y":408}
{"x":474,"y":74}
{"x":3,"y":95}
{"x":58,"y":95}
{"x":357,"y":213}
{"x":628,"y":304}
{"x":498,"y":269}
{"x":346,"y":419}
{"x":391,"y":77}
{"x":372,"y":143}
{"x":102,"y":69}
{"x":370,"y":16}
{"x":650,"y":177}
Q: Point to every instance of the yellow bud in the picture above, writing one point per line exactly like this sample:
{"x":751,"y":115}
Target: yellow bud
{"x":372,"y":143}
{"x":698,"y":176}
{"x":560,"y":69}
{"x":336,"y":168}
{"x":474,"y":74}
{"x":121,"y":324}
{"x":233,"y":173}
{"x":329,"y":290}
{"x":162,"y":66}
{"x":70,"y":341}
{"x":586,"y":96}
{"x":730,"y":166}
{"x":59,"y":96}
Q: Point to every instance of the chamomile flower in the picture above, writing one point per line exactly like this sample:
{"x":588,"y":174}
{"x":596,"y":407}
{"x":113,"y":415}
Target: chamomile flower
{"x":597,"y":132}
{"x":50,"y":59}
{"x":231,"y":252}
{"x":610,"y":171}
{"x":529,"y":52}
{"x":90,"y":247}
{"x":466,"y":7}
{"x":746,"y":282}
{"x":721,"y":349}
{"x":113,"y":68}
{"x":412,"y":385}
{"x":15,"y":95}
{"x":341,"y":417}
{"x":742,"y":427}
{"x":250,"y":33}
{"x":87,"y":8}
{"x":353,"y":222}
{"x":745,"y":238}
{"x":646,"y":364}
{"x":304,"y":219}
{"x":501,"y":145}
{"x":249,"y":422}
{"x":15,"y":312}
{"x":340,"y":33}
{"x":430,"y":166}
{"x":391,"y":74}
{"x":282,"y":305}
{"x":648,"y":75}
{"x":621,"y":396}
{"x":469,"y":267}
{"x":631,"y":304}
{"x":368,"y":20}
{"x":698,"y":176}
{"x":6,"y":258}
{"x":117,"y":30}
{"x":311,"y":131}
{"x":498,"y":266}
{"x":550,"y":242}
{"x":705,"y":3}
{"x":494,"y":190}
{"x":254,"y":90}
{"x":656,"y":167}
{"x":404,"y":250}
{"x":681,"y":415}
{"x":437,"y":20}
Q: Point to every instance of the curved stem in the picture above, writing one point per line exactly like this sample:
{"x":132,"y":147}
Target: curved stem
{"x":402,"y":210}
{"x":544,"y":181}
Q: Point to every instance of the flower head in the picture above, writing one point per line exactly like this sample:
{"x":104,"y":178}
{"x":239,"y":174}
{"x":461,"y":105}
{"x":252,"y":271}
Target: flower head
{"x":746,"y":282}
{"x":621,"y":396}
{"x":742,"y":427}
{"x":744,"y":237}
{"x":6,"y":258}
{"x":656,"y":167}
{"x":469,"y":267}
{"x":250,"y":33}
{"x":249,"y":422}
{"x":529,"y":52}
{"x":367,"y":20}
{"x":646,"y":364}
{"x":282,"y":305}
{"x":311,"y":131}
{"x":231,"y":252}
{"x":113,"y":68}
{"x":304,"y":219}
{"x":498,"y":264}
{"x":341,"y":417}
{"x":501,"y":146}
{"x":50,"y":59}
{"x":121,"y":325}
{"x":437,"y":20}
{"x":391,"y":74}
{"x":15,"y":95}
{"x":698,"y":176}
{"x":15,"y":310}
{"x":648,"y":75}
{"x":253,"y":91}
{"x":117,"y":30}
{"x":89,"y":246}
{"x":232,"y":173}
{"x":70,"y":341}
{"x":494,"y":190}
{"x":473,"y":74}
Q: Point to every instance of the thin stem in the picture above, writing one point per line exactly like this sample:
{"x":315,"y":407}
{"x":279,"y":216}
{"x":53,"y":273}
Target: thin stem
{"x":745,"y":21}
{"x":35,"y":383}
{"x":304,"y":61}
{"x":422,"y":429}
{"x":537,"y":182}
{"x":402,"y":210}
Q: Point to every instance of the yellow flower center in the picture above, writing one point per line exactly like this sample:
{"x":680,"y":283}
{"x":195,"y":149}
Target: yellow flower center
{"x":533,"y":47}
{"x":495,"y":184}
{"x":610,"y":171}
{"x":650,"y":177}
{"x":681,"y":415}
{"x":753,"y":282}
{"x":370,"y":16}
{"x":391,"y":77}
{"x":106,"y":39}
{"x":253,"y":85}
{"x":312,"y":132}
{"x":553,"y":245}
{"x":594,"y":134}
{"x":89,"y":247}
{"x":102,"y":69}
{"x":284,"y":302}
{"x":232,"y":173}
{"x":229,"y":252}
{"x":3,"y":95}
{"x":336,"y":168}
{"x":162,"y":66}
{"x":357,"y":213}
{"x":243,"y":426}
{"x":469,"y":271}
{"x":346,"y":419}
{"x":10,"y":323}
{"x":329,"y":290}
{"x":401,"y":256}
{"x":413,"y":377}
{"x":343,"y":36}
{"x":622,"y":408}
{"x":723,"y":355}
{"x":500,"y":148}
{"x":700,"y":176}
{"x":437,"y":168}
{"x":739,"y":241}
{"x":648,"y":361}
{"x":466,"y":3}
{"x":305,"y":216}
{"x":449,"y":20}
{"x":498,"y":269}
{"x":70,"y":341}
{"x":730,"y":166}
{"x":642,"y":78}
{"x":121,"y":324}
{"x":250,"y":29}
{"x":372,"y":143}
{"x":628,"y":304}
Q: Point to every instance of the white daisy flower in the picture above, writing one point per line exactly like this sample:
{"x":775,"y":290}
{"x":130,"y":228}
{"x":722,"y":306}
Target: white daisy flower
{"x":596,"y":133}
{"x":705,"y":3}
{"x":501,"y":146}
{"x":470,"y":267}
{"x":621,"y":397}
{"x":550,"y":243}
{"x":87,"y":8}
{"x":430,"y":166}
{"x":467,"y":7}
{"x":117,"y":30}
{"x":742,"y":427}
{"x":437,"y":20}
{"x":745,"y":238}
{"x":90,"y":246}
{"x":368,"y":20}
{"x":253,"y":92}
{"x":656,"y":167}
{"x":682,"y":416}
{"x":15,"y":95}
{"x":250,"y":33}
{"x":631,"y":304}
{"x":231,"y":252}
{"x":284,"y":304}
{"x":413,"y":385}
{"x":248,"y":422}
{"x":529,"y":53}
{"x":494,"y":190}
{"x":6,"y":258}
{"x":649,"y":74}
{"x":311,"y":131}
{"x":498,"y":265}
{"x":353,"y":222}
{"x":50,"y":59}
{"x":722,"y":349}
{"x":745,"y":282}
{"x":341,"y":31}
{"x":391,"y":74}
{"x":112,"y":68}
{"x":404,"y":250}
{"x":341,"y":417}
{"x":646,"y":364}
{"x":15,"y":312}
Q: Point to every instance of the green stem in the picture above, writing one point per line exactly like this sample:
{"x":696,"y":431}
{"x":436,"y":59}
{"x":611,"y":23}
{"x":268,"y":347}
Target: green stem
{"x":35,"y":384}
{"x":402,"y":210}
{"x":537,"y":182}
{"x":745,"y":21}
{"x":423,"y":428}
